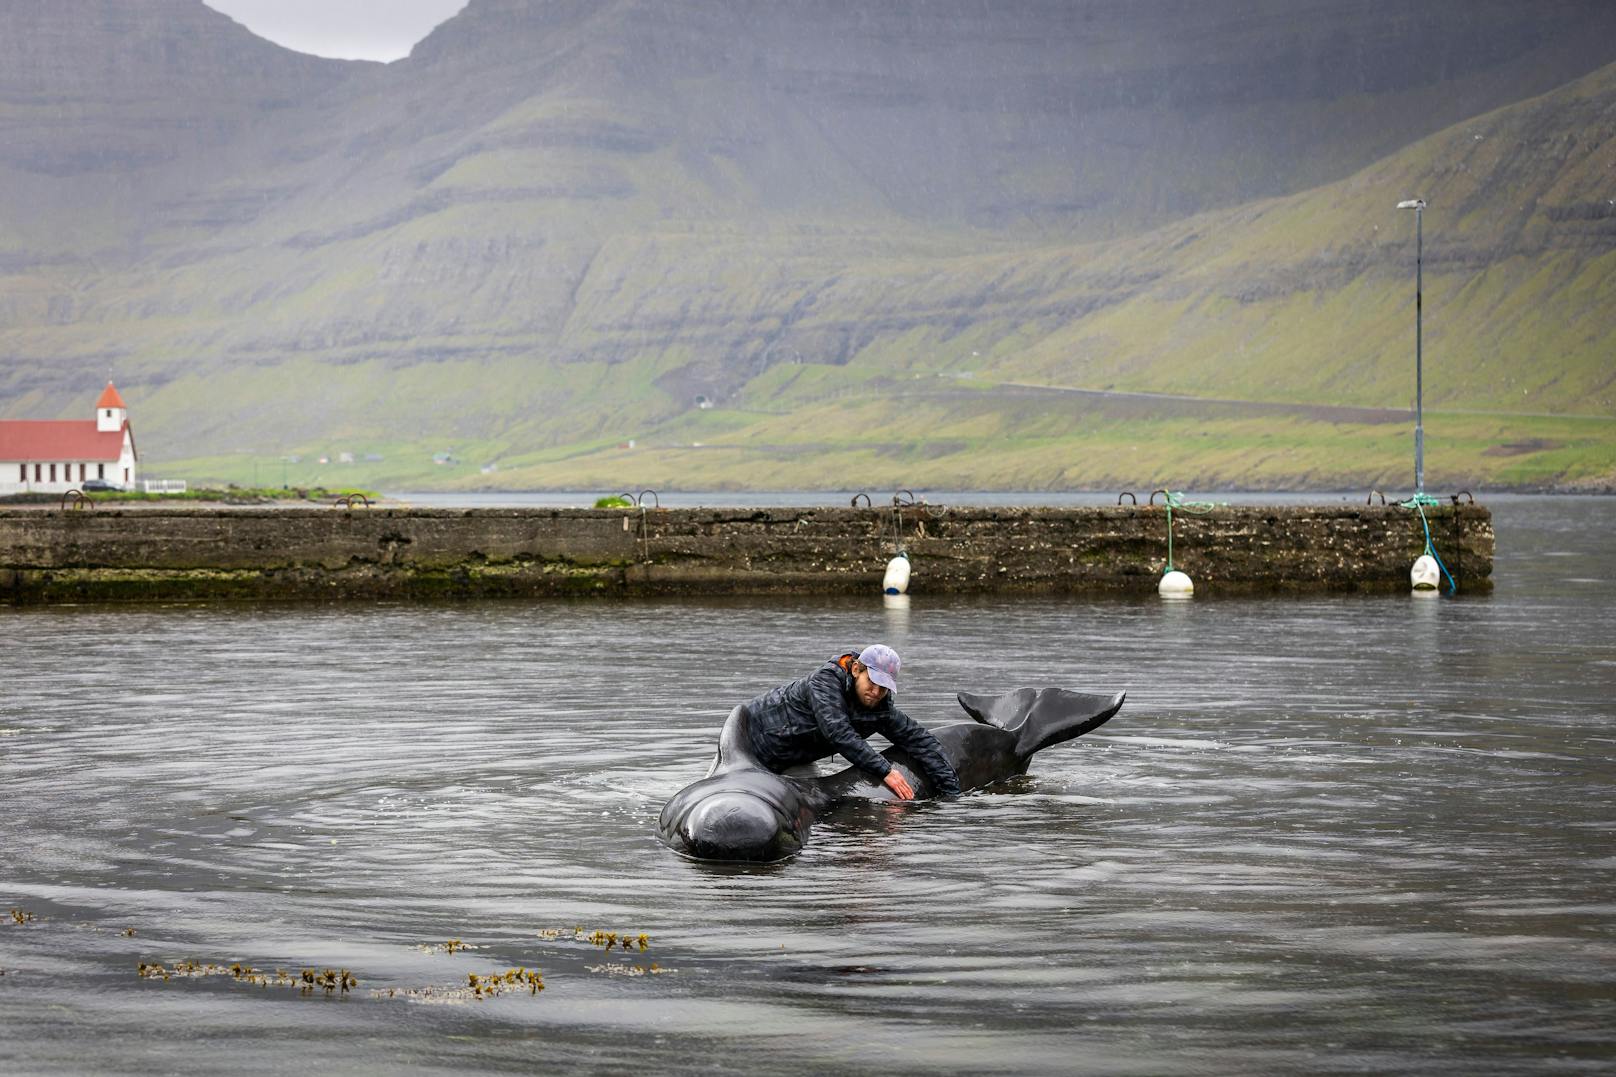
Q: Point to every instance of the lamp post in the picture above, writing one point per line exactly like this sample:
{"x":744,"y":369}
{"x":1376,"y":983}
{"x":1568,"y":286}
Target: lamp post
{"x":1418,"y":206}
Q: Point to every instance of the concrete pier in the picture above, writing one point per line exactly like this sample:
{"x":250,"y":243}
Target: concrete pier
{"x":129,"y":554}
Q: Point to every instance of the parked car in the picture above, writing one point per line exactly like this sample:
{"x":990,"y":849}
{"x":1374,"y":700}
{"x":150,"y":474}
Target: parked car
{"x":97,"y":486}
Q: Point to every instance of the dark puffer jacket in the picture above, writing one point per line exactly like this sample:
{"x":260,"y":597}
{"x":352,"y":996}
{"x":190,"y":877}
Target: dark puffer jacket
{"x":820,"y":714}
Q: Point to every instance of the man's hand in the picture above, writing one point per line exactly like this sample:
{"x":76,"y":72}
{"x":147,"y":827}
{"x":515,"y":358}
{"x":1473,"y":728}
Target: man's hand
{"x":899,"y":784}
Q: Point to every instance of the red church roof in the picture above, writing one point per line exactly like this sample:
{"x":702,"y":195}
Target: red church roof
{"x":60,"y":439}
{"x":110,"y":398}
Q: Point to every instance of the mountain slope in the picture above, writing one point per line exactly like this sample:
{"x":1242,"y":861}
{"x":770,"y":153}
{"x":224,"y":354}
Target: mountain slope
{"x":1266,"y":345}
{"x":559,"y":225}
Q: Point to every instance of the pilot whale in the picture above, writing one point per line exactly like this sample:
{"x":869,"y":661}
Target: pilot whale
{"x":741,"y":810}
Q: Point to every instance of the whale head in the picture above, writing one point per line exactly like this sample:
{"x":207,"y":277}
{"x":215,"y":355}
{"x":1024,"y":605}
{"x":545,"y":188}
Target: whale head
{"x":741,"y":810}
{"x":730,"y":824}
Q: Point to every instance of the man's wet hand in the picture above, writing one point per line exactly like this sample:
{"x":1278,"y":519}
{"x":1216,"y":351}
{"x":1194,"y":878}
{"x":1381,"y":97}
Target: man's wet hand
{"x":899,"y":785}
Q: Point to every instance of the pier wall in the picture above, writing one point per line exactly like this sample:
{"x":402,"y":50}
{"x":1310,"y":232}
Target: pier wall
{"x":112,"y":554}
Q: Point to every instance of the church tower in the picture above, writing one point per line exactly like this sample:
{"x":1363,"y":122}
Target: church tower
{"x":110,"y":412}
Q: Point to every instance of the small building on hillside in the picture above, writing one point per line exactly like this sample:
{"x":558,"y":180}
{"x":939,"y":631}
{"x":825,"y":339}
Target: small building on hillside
{"x":53,"y":456}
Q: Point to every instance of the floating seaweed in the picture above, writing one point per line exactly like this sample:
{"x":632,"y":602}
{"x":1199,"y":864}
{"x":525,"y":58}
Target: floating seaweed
{"x":453,"y":946}
{"x":478,"y":987}
{"x":331,"y":981}
{"x":553,"y":933}
{"x":625,"y":940}
{"x":22,"y":917}
{"x":498,"y":983}
{"x":608,"y":939}
{"x":653,"y":969}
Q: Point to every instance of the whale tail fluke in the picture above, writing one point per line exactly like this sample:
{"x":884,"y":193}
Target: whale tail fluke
{"x":1040,"y":717}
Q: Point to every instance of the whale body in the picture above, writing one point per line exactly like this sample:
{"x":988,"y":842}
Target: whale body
{"x":743,"y":811}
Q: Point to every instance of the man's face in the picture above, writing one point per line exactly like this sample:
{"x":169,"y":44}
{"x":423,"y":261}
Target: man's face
{"x":870,"y":694}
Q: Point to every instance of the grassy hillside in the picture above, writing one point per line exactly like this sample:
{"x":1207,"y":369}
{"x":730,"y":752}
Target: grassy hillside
{"x":1267,"y":347}
{"x":525,"y":250}
{"x":892,"y":441}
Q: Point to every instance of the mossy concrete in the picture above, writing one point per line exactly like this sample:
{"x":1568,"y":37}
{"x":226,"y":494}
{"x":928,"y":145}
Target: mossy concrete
{"x":167,"y":554}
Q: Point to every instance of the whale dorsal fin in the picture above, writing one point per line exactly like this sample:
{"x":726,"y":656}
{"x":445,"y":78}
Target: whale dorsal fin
{"x":734,"y":744}
{"x":1040,"y":717}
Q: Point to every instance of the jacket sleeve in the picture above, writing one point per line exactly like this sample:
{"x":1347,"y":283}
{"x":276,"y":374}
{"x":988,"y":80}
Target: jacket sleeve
{"x":923,"y":748}
{"x":830,"y":715}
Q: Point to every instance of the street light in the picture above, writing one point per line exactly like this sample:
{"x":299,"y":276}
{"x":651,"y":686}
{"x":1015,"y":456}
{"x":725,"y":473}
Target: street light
{"x":1418,"y":206}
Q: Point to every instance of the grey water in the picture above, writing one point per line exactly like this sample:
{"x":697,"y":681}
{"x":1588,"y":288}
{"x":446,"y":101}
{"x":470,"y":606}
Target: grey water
{"x":1334,"y":834}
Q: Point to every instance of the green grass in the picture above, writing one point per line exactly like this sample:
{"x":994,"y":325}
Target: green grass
{"x":232,"y":492}
{"x":1045,"y":444}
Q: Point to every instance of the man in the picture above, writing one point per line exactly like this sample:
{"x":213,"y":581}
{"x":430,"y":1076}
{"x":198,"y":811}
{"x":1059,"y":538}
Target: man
{"x":833,"y":709}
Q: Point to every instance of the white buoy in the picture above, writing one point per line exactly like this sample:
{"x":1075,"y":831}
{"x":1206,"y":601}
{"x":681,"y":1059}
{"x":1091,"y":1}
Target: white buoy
{"x":1426,"y":575}
{"x":896,"y":581}
{"x":1176,"y":584}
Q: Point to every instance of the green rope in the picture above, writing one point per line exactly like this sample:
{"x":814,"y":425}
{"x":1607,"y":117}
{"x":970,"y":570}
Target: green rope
{"x":1194,"y":508}
{"x":1418,"y":503}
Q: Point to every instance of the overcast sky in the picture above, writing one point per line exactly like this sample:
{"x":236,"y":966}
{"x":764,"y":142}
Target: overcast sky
{"x":350,"y":29}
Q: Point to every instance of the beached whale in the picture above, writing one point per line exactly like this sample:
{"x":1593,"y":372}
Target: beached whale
{"x":743,"y":811}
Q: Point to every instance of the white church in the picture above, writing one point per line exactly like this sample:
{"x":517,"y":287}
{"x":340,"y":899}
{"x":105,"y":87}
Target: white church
{"x":53,"y":456}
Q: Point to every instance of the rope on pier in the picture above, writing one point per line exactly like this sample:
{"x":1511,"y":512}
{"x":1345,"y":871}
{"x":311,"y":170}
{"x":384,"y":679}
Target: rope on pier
{"x":1418,"y":503}
{"x":1176,"y":501}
